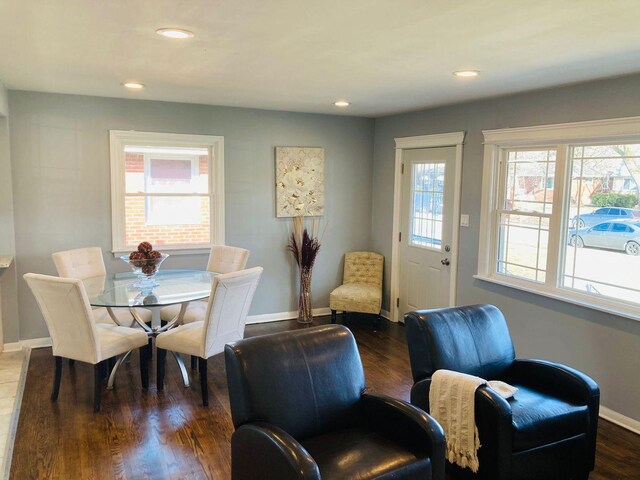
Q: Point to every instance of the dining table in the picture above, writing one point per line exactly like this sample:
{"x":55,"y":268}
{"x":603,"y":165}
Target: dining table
{"x":166,"y":287}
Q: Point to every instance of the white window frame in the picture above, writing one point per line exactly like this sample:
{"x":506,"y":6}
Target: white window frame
{"x":560,"y":136}
{"x":215,"y":146}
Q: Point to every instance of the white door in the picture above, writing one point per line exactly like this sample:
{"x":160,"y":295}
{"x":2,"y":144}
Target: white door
{"x":424,"y":251}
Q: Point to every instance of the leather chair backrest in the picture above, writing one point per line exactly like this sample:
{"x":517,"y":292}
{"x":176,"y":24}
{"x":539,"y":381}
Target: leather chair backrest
{"x":65,"y":307}
{"x":80,"y":263}
{"x":228,"y":307}
{"x":225,"y":259}
{"x":473,"y":339}
{"x":307,"y":382}
{"x":363,"y":267}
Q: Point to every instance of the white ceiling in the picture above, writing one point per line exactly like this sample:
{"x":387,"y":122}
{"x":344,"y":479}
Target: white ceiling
{"x":384,"y":56}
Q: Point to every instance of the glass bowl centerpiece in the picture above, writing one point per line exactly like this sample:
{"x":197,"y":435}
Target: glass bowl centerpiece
{"x":145,"y":263}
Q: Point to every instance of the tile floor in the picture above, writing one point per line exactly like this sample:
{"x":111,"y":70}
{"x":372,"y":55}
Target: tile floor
{"x":11,"y":386}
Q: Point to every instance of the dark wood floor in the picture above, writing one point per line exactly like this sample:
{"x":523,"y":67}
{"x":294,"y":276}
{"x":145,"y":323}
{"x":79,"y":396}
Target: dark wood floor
{"x":150,"y":435}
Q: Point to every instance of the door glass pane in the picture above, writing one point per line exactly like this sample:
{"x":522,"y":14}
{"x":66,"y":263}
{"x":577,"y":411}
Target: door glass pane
{"x":427,"y":204}
{"x":602,"y":251}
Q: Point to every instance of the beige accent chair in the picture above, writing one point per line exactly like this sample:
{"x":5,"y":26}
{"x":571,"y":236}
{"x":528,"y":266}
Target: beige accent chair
{"x":224,"y":322}
{"x":361,"y":289}
{"x":85,"y":263}
{"x":222,"y":259}
{"x":76,"y":335}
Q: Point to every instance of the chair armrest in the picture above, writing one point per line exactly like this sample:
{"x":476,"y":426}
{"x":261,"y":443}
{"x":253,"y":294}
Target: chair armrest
{"x":420,"y":394}
{"x":494,"y":421}
{"x":407,"y":425}
{"x":262,"y":450}
{"x":555,"y":379}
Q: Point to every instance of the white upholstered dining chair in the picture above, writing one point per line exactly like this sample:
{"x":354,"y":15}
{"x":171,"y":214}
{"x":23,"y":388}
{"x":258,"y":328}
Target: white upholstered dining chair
{"x":77,"y":336}
{"x":224,"y":321}
{"x":222,"y":259}
{"x":84,"y":263}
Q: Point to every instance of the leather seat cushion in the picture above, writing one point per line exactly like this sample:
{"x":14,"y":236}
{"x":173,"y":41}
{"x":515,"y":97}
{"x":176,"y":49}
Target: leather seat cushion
{"x":359,"y":453}
{"x":539,"y":419}
{"x":356,"y":297}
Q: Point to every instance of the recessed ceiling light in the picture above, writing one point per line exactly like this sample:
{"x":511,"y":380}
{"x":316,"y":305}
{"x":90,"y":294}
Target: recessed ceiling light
{"x":466,"y":73}
{"x":176,"y":33}
{"x":133,"y":85}
{"x":341,"y":103}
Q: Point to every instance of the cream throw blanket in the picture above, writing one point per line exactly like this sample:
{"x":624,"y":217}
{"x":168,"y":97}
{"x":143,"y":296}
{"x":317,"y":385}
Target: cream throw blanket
{"x":452,"y":404}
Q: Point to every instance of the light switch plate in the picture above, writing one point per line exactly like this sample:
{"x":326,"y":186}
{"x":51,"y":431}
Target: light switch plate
{"x":464,"y":220}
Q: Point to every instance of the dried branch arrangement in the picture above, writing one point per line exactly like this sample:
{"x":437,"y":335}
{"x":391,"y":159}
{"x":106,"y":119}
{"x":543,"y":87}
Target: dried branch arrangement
{"x":305,"y":245}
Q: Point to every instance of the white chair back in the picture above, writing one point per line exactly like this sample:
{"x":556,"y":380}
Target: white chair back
{"x":225,"y":259}
{"x":80,"y":263}
{"x":67,"y":313}
{"x":228,"y":307}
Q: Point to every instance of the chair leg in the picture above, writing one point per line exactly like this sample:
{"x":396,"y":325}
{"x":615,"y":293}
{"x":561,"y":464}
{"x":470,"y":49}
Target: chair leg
{"x":149,"y":347}
{"x":72,"y":362}
{"x":333,"y":316}
{"x":194,"y":362}
{"x":162,"y":361}
{"x":56,"y":379}
{"x":97,"y":386}
{"x":203,"y":381}
{"x":144,"y":367}
{"x":103,"y":369}
{"x":110,"y":364}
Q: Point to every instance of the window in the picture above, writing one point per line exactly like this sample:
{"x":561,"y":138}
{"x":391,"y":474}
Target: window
{"x":560,"y":214}
{"x":427,"y":199}
{"x":167,"y":189}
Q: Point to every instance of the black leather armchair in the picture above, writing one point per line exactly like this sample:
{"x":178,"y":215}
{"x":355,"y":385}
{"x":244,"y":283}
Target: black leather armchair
{"x":546,"y":431}
{"x":300,"y":412}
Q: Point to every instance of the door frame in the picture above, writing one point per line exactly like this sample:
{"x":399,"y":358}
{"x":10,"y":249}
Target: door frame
{"x":453,"y":139}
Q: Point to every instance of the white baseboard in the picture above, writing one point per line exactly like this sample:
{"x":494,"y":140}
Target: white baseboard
{"x":12,"y":347}
{"x":276,"y":317}
{"x":252,"y":319}
{"x":386,"y":314}
{"x":621,"y":420}
{"x":30,"y":343}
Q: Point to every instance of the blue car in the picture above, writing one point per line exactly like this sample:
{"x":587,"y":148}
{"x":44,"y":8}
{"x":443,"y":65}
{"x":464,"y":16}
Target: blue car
{"x":611,"y":235}
{"x":604,"y":214}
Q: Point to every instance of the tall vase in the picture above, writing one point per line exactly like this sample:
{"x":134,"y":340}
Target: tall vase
{"x":305,"y":314}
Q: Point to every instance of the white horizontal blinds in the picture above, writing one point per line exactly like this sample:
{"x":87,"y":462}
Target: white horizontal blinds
{"x":525,"y":208}
{"x":604,"y":228}
{"x":427,"y":202}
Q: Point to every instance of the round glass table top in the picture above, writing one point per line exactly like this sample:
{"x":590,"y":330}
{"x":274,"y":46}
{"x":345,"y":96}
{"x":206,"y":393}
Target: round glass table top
{"x":173,"y":286}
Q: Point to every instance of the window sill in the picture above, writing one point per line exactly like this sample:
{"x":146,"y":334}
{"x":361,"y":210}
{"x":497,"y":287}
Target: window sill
{"x":620,"y":309}
{"x":199,"y":250}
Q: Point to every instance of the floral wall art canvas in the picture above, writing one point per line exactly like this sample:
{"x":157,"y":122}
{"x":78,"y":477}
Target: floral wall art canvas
{"x":299,"y":181}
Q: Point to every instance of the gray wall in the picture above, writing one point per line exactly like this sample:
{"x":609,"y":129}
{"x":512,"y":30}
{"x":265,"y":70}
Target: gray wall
{"x":4,"y":101}
{"x":8,"y":280}
{"x":606,"y":347}
{"x":60,"y":158}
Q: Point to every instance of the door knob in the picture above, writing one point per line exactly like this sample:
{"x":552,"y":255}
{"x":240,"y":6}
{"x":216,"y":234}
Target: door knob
{"x":445,"y":261}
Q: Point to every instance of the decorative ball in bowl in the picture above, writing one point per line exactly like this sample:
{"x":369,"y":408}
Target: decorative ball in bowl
{"x":145,"y":263}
